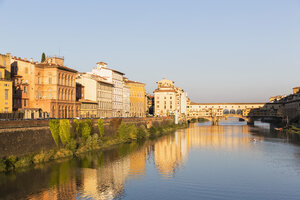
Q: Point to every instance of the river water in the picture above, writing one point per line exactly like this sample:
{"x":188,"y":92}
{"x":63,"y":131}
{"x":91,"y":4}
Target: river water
{"x":229,"y":161}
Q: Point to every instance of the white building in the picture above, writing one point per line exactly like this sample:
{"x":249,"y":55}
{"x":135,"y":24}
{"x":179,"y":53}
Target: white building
{"x":183,"y":103}
{"x":126,"y":101}
{"x":169,"y":100}
{"x":116,"y":78}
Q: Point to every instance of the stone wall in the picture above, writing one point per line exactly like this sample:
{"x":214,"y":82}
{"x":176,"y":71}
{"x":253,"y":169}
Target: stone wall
{"x":24,"y":137}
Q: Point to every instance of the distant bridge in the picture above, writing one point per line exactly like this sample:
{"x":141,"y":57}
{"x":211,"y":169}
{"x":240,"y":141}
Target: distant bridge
{"x":217,"y":111}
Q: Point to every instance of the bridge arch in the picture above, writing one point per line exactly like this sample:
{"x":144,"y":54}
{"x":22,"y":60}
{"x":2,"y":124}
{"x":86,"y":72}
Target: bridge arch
{"x":239,"y":112}
{"x":232,"y":111}
{"x":226,"y":112}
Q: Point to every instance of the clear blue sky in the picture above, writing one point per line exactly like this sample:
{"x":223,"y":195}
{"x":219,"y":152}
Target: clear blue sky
{"x":217,"y":50}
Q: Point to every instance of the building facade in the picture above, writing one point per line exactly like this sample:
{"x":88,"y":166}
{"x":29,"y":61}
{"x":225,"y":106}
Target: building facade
{"x":99,"y":90}
{"x":169,"y":100}
{"x":126,"y":101}
{"x":88,"y":108}
{"x":47,"y":88}
{"x":6,"y":102}
{"x":137,"y":98}
{"x":116,"y":78}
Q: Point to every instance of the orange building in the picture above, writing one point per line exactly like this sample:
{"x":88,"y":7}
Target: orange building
{"x":45,"y":89}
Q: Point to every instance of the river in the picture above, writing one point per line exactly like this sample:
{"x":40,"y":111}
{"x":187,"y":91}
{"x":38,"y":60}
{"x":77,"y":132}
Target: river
{"x":229,"y":161}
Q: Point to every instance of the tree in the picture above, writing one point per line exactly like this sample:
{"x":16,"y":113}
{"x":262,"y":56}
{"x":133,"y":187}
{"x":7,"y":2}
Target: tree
{"x":43,"y":57}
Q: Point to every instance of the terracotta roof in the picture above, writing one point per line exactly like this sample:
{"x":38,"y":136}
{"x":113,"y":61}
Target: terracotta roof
{"x":49,"y":65}
{"x":164,"y":91}
{"x":115,"y":71}
{"x":129,"y":81}
{"x":296,"y":88}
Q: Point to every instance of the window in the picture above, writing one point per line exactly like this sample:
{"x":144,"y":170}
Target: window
{"x":4,"y":63}
{"x":25,"y":89}
{"x":26,"y":70}
{"x":38,"y":94}
{"x":50,"y":79}
{"x":6,"y":94}
{"x":6,"y":110}
{"x":0,"y":74}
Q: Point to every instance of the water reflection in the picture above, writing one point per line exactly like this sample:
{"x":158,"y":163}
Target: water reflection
{"x":103,"y":175}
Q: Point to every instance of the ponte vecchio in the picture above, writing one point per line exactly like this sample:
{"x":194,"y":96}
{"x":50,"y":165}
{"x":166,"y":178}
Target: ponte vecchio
{"x":217,"y":111}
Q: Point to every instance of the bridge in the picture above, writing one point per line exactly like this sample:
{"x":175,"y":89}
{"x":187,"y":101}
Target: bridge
{"x":246,"y":111}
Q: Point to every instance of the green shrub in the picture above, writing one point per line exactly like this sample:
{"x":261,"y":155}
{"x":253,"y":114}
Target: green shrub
{"x":127,"y":132}
{"x":142,"y":132}
{"x":39,"y":158}
{"x":90,"y":122}
{"x":153,"y":132}
{"x":2,"y":165}
{"x":74,"y":128}
{"x":23,"y":162}
{"x":86,"y":130}
{"x":62,"y":153}
{"x":101,"y":128}
{"x":64,"y":130}
{"x":71,"y":145}
{"x":95,"y":141}
{"x":54,"y":128}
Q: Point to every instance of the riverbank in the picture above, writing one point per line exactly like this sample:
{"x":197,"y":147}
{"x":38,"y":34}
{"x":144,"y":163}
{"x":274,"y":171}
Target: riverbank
{"x":75,"y":138}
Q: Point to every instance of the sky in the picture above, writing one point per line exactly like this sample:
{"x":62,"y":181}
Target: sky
{"x":216,"y":50}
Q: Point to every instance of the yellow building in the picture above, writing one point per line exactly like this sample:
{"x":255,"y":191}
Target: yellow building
{"x":5,"y":84}
{"x":88,"y":108}
{"x":137,"y":98}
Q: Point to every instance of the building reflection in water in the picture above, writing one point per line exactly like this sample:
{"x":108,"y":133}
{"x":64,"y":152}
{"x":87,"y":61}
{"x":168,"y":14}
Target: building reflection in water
{"x":102,"y":175}
{"x":170,"y":152}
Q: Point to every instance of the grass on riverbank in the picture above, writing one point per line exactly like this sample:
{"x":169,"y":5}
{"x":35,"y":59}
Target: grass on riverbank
{"x":292,"y":130}
{"x":79,"y":139}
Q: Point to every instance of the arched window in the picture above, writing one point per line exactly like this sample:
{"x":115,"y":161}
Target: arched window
{"x":39,"y":78}
{"x":58,"y":79}
{"x":66,"y":80}
{"x":50,"y":78}
{"x":58,"y":97}
{"x":66,"y":94}
{"x":62,"y":94}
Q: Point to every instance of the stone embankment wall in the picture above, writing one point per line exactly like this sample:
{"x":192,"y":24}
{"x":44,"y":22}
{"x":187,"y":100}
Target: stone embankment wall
{"x":31,"y":136}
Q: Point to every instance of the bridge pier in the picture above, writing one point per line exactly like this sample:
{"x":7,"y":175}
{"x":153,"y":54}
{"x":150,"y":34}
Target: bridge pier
{"x":250,"y":121}
{"x":215,"y":121}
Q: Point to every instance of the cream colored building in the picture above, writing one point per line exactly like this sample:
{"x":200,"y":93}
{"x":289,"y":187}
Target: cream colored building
{"x":169,"y":100}
{"x":126,"y":101}
{"x":97,"y":89}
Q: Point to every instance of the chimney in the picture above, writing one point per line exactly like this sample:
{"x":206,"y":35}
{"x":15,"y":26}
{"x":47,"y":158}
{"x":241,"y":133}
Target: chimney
{"x":25,"y":59}
{"x":31,"y":60}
